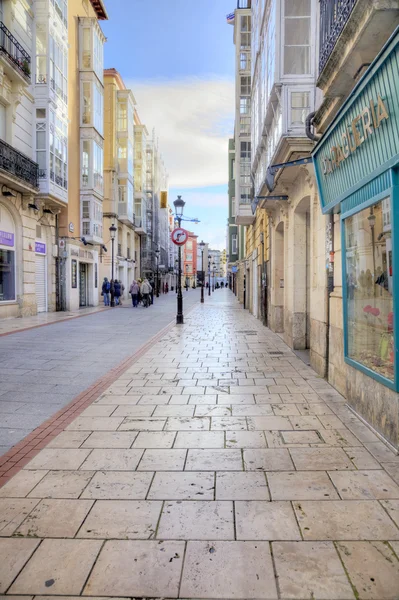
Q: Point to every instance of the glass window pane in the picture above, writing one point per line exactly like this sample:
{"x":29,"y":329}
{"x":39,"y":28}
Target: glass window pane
{"x":7,"y":275}
{"x":369,"y":290}
{"x":297,"y":32}
{"x":297,"y":8}
{"x":297,"y":60}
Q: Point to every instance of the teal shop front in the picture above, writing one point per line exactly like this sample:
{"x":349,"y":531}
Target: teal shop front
{"x":357,"y":170}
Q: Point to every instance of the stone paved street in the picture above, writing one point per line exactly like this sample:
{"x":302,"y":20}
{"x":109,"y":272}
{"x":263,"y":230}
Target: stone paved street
{"x":217,"y":466}
{"x":43,"y":369}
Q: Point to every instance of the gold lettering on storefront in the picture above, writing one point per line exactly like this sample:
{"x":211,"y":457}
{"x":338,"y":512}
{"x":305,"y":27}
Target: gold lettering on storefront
{"x":356,"y":133}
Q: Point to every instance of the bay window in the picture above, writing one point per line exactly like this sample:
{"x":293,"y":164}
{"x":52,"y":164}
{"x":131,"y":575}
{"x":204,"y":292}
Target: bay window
{"x":98,"y":167}
{"x":92,"y":167}
{"x":58,"y":150}
{"x":299,"y":108}
{"x":92,"y":217}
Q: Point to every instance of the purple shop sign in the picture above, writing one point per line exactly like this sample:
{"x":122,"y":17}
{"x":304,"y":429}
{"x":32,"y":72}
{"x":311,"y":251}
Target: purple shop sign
{"x":40,"y":248}
{"x":6,"y":239}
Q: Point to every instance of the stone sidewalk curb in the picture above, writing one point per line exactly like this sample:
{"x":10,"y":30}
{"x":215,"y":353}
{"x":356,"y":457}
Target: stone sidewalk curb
{"x":15,"y":459}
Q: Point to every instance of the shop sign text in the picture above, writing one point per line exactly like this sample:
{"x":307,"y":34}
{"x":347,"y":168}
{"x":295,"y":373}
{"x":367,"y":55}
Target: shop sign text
{"x":357,"y":132}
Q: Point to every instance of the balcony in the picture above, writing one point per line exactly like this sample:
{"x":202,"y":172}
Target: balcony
{"x":16,"y":58}
{"x":352,"y":32}
{"x":18,"y":165}
{"x":244,"y":214}
{"x":126,"y":212}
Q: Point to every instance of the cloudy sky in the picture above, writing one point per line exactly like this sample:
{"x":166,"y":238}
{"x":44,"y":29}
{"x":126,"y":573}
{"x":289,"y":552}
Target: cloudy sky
{"x":178,"y":58}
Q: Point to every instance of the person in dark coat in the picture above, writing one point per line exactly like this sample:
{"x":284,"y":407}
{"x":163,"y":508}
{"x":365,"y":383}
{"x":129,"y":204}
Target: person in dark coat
{"x":117,"y":292}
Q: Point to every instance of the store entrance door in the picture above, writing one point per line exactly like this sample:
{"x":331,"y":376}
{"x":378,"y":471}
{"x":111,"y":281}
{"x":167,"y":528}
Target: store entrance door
{"x":82,"y":284}
{"x":40,"y":283}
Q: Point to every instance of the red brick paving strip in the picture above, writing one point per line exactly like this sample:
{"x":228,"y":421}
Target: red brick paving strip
{"x":20,"y":454}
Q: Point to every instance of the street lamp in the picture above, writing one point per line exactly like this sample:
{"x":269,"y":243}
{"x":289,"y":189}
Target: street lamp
{"x":176,"y":273}
{"x":157,"y":253}
{"x":209,"y":275}
{"x":202,"y":246}
{"x":213,"y":279}
{"x":179,"y":207}
{"x":112,"y":231}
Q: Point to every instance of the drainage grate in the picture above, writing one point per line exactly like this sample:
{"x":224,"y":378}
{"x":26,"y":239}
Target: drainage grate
{"x":248,"y":332}
{"x":275,"y":353}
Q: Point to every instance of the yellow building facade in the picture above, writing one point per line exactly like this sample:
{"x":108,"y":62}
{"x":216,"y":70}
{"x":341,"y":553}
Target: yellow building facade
{"x":253,"y":276}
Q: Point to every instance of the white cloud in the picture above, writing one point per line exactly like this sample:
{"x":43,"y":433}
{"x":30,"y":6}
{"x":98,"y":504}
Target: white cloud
{"x":193,"y":119}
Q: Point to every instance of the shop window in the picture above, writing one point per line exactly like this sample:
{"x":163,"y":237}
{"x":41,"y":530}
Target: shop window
{"x":7,"y":257}
{"x":369,"y":289}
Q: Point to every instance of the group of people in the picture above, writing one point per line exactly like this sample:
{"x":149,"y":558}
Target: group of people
{"x":142,"y":291}
{"x":119,"y":288}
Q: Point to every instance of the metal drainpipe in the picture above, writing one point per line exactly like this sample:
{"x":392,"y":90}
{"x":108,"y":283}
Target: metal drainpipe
{"x":330,"y":289}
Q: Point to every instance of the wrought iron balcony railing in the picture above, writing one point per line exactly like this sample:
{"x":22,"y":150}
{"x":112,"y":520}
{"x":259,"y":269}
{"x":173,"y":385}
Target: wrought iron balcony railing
{"x":334,"y":15}
{"x":18,"y":164}
{"x":13,"y":49}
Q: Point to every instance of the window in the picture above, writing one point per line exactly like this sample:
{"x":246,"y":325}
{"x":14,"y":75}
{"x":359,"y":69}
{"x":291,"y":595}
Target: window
{"x":98,"y":108}
{"x":245,"y":151}
{"x":245,"y":32}
{"x":369,"y":290}
{"x":233,"y":207}
{"x":58,"y":68}
{"x":245,"y":61}
{"x":98,"y":55}
{"x":86,"y":50}
{"x":189,"y":257}
{"x":234,"y":243}
{"x":245,"y":125}
{"x":300,"y":108}
{"x":85,"y":163}
{"x":92,"y":217}
{"x":58,"y":150}
{"x":189,"y":245}
{"x":122,"y":115}
{"x":41,"y":156}
{"x":297,"y":37}
{"x":86,"y":116}
{"x":245,"y":85}
{"x":245,"y":194}
{"x":41,"y":54}
{"x":245,"y":105}
{"x":98,"y":167}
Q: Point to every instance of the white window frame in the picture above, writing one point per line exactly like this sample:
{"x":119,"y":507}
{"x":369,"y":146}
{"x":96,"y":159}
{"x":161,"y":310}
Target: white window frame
{"x":287,"y":116}
{"x":280,"y":22}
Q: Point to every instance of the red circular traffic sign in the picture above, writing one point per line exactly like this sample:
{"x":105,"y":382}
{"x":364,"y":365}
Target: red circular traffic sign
{"x":179,"y":236}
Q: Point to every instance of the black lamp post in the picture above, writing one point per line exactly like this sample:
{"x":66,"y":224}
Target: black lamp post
{"x":112,"y":231}
{"x":179,"y":207}
{"x":209,"y":275}
{"x":176,"y":273}
{"x":157,"y":253}
{"x":202,"y":246}
{"x":213,"y":279}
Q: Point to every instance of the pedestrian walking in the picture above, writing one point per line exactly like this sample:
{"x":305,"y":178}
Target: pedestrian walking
{"x":135,"y":290}
{"x":117,"y":292}
{"x":166,"y":287}
{"x":152,"y":285}
{"x":145,"y":290}
{"x":122,"y":290}
{"x":106,"y":287}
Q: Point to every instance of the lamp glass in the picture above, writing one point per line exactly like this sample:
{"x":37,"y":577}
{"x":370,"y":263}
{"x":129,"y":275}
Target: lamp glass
{"x":202,"y":245}
{"x":179,"y":206}
{"x":112,"y":231}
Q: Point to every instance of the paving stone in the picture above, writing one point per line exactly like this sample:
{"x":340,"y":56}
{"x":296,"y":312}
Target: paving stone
{"x":62,"y":484}
{"x":344,"y":520}
{"x":392,"y":469}
{"x":202,"y":399}
{"x":113,"y":459}
{"x":268,"y":399}
{"x":196,"y":520}
{"x":21,"y":484}
{"x":320,"y":459}
{"x":184,"y":410}
{"x":118,"y":485}
{"x":55,"y":518}
{"x":263,"y":423}
{"x":69,"y":439}
{"x":209,"y":410}
{"x":110,"y":439}
{"x":252,"y":410}
{"x":117,"y":400}
{"x":182,"y":486}
{"x":300,"y":437}
{"x":245,"y":439}
{"x":95,"y":424}
{"x":241,"y":486}
{"x":98,"y":410}
{"x":214,"y":460}
{"x":305,"y":423}
{"x":199,"y":439}
{"x":236,"y":398}
{"x":150,"y":424}
{"x":229,"y":423}
{"x":269,"y":459}
{"x":58,"y":459}
{"x":260,"y":520}
{"x":14,"y":553}
{"x":123,"y":519}
{"x":187,"y":424}
{"x":163,"y":460}
{"x":316,"y":409}
{"x":52,"y":567}
{"x":205,"y":561}
{"x":310,"y":570}
{"x":392,"y":508}
{"x":137,"y":410}
{"x":364,"y":485}
{"x":301,"y":485}
{"x":373,"y":569}
{"x":285,"y":410}
{"x":381,"y":452}
{"x":339,"y":437}
{"x":12,"y":512}
{"x":153,"y":399}
{"x":113,"y":573}
{"x":155,"y":439}
{"x":362,"y":459}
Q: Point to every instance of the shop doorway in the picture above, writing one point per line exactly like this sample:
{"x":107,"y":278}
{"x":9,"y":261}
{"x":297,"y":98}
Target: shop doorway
{"x":83,"y":285}
{"x":40,"y":283}
{"x":279,"y":283}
